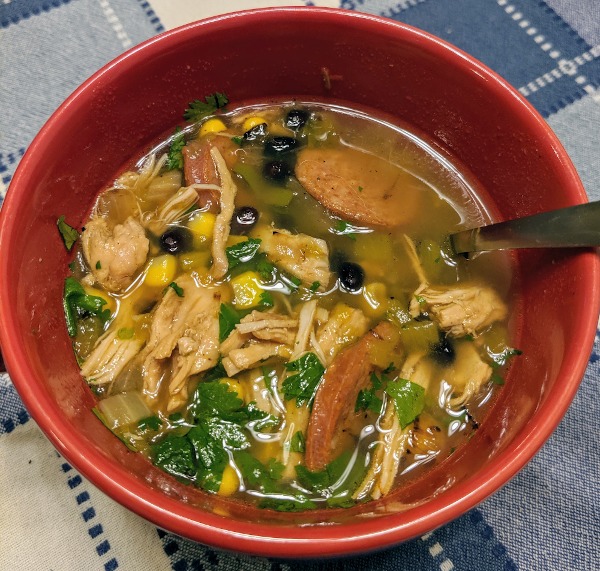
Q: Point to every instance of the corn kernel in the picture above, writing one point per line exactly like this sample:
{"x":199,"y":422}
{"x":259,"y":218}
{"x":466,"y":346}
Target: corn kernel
{"x":246,"y":290}
{"x":110,"y":302}
{"x":265,"y":451}
{"x":202,"y":226}
{"x":230,"y":483}
{"x":374,"y":300}
{"x":234,"y":386}
{"x":252,"y":122}
{"x":212,"y":126}
{"x":194,"y":260}
{"x":161,"y":271}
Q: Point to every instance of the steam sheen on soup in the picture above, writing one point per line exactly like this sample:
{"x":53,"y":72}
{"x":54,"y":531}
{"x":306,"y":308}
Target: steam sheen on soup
{"x":267,"y":307}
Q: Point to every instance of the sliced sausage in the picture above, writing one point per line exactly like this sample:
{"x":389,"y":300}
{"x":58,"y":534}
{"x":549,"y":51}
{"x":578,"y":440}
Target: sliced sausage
{"x":348,"y":374}
{"x":359,"y":187}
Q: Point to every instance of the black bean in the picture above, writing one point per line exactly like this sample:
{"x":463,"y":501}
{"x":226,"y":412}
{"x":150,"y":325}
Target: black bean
{"x":257,"y":132}
{"x":244,"y":218}
{"x":277,"y":170}
{"x":443,"y":352}
{"x":351,"y":276}
{"x":175,"y":240}
{"x":277,"y":146}
{"x":296,"y":119}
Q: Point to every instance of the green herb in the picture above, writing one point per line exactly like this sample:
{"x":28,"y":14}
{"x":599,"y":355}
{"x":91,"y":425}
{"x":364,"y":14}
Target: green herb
{"x":175,"y":154}
{"x":125,"y":333}
{"x":344,"y":228}
{"x":257,"y":474}
{"x":303,"y":384}
{"x":497,"y":379}
{"x":292,"y":281}
{"x":500,"y":359}
{"x":242,"y":252}
{"x":315,"y":286}
{"x":297,"y":503}
{"x":266,"y":299}
{"x":420,"y":299}
{"x":389,"y":369}
{"x":98,"y":265}
{"x":198,"y":110}
{"x":68,"y":234}
{"x":368,"y":400}
{"x":264,"y":268}
{"x":216,"y":373}
{"x":176,"y":289}
{"x":77,"y":304}
{"x":409,"y":399}
{"x":150,"y":423}
{"x":228,"y":319}
{"x":237,"y":140}
{"x":360,"y":189}
{"x":297,"y":443}
{"x":324,"y":480}
{"x":175,"y":455}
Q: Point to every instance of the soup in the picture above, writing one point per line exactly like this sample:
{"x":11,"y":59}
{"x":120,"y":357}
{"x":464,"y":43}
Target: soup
{"x":268,"y":309}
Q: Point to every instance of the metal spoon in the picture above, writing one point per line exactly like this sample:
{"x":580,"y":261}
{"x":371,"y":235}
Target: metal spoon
{"x":575,"y":226}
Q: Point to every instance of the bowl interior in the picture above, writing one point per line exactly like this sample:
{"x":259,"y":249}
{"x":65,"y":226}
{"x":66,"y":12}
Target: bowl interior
{"x":398,"y":71}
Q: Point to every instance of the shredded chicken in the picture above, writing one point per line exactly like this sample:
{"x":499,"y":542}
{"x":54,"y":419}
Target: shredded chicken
{"x":172,"y":210}
{"x":109,"y":357}
{"x":184,"y":340}
{"x":459,"y":310}
{"x":247,"y":357}
{"x":305,"y":328}
{"x":393,"y":440}
{"x":345,"y":325}
{"x":114,"y":255}
{"x":220,"y":264}
{"x":303,"y":256}
{"x":258,"y":336}
{"x":468,"y":374}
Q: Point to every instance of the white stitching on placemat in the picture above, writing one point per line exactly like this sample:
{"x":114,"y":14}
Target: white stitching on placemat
{"x":437,"y":552}
{"x":115,"y":23}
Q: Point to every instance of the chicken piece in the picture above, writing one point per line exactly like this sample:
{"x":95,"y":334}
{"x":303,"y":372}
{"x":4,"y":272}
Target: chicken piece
{"x":348,"y":374}
{"x":385,"y":461}
{"x":109,"y":357}
{"x":467,"y":375}
{"x":172,"y":210}
{"x":306,"y":318}
{"x":248,"y":357}
{"x":220,"y":264}
{"x":184,"y":340}
{"x":459,"y":310}
{"x":303,"y":256}
{"x":393,"y":440}
{"x":114,"y":255}
{"x":359,"y":187}
{"x":345,"y":325}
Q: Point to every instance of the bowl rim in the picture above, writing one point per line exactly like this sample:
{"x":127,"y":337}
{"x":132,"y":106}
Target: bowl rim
{"x":267,"y":539}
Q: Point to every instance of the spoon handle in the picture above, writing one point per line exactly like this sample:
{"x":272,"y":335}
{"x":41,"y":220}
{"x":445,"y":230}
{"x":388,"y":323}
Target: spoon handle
{"x":574,"y":226}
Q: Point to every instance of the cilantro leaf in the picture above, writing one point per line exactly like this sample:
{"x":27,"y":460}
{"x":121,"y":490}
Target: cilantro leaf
{"x":303,"y":384}
{"x":212,"y":398}
{"x":256,"y":474}
{"x":242,"y":252}
{"x":150,"y":423}
{"x":368,"y":400}
{"x":68,"y":234}
{"x":211,"y":457}
{"x":228,"y":319}
{"x":409,"y":399}
{"x":315,"y":286}
{"x":296,"y":503}
{"x":175,"y":155}
{"x":198,"y":110}
{"x":266,"y":299}
{"x":78,"y":304}
{"x":175,"y":455}
{"x":176,"y":288}
{"x":323,"y":480}
{"x":297,"y":443}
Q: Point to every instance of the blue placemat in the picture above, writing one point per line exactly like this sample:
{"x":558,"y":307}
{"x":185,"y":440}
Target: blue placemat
{"x":546,"y":518}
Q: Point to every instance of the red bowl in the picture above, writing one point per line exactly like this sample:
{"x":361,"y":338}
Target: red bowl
{"x":398,"y":71}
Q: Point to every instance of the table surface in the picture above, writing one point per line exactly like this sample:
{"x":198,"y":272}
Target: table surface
{"x":547,"y":517}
